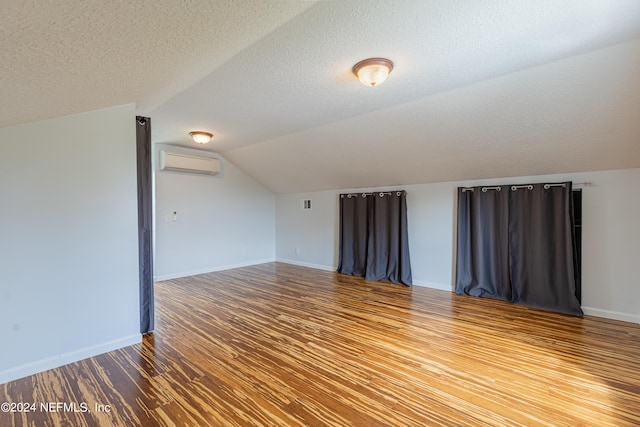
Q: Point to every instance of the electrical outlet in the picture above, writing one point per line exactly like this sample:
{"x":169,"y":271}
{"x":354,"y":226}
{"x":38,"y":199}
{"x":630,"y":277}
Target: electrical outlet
{"x":297,"y":251}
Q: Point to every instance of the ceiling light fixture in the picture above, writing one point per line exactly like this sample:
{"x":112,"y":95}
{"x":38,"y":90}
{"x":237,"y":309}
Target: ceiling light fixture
{"x":373,"y":71}
{"x":201,"y":137}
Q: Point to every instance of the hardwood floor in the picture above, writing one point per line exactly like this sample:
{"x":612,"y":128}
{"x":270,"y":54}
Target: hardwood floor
{"x":276,"y":344}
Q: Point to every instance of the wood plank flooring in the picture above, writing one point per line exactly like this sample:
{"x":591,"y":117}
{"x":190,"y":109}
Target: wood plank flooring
{"x":279,"y":345}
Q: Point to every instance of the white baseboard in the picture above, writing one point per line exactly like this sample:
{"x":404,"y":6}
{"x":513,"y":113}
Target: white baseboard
{"x":64,"y":359}
{"x":306,"y":264}
{"x":439,"y":286}
{"x":171,"y":276}
{"x":614,"y":315}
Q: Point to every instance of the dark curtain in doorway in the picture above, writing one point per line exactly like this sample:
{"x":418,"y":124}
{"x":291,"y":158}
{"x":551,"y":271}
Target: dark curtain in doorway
{"x":355,"y":220}
{"x":374,"y":240}
{"x":542,"y":248}
{"x":482,"y":263}
{"x":145,"y":249}
{"x":577,"y":232}
{"x":517,"y":243}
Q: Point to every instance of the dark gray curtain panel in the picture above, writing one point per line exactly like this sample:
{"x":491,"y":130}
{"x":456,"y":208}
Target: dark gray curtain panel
{"x":542,"y":247}
{"x":355,"y":219}
{"x":145,"y":249}
{"x":374,"y":240}
{"x":482,"y":261}
{"x":517,"y":243}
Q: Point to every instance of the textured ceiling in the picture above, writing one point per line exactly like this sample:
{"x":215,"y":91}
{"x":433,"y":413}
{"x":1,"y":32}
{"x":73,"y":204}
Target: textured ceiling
{"x":65,"y":56}
{"x":480,"y":89}
{"x":577,"y":114}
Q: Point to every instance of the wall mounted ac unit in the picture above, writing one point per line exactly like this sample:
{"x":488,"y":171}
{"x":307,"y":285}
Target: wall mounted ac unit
{"x":188,"y":163}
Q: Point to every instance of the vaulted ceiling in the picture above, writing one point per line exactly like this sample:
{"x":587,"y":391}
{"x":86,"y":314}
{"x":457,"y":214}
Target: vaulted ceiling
{"x":480,"y":89}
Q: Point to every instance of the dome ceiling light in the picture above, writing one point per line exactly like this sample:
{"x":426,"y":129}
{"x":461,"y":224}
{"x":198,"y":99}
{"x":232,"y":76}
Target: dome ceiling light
{"x":373,"y":71}
{"x":201,"y":137}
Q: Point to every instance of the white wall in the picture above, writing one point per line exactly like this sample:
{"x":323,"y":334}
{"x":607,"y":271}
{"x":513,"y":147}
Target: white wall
{"x":223,"y":221}
{"x":68,"y":245}
{"x":308,"y":237}
{"x":611,"y":232}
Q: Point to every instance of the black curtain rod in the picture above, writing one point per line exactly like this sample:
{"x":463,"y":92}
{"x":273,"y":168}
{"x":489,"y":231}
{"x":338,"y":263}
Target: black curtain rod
{"x":528,"y":186}
{"x":381,"y":194}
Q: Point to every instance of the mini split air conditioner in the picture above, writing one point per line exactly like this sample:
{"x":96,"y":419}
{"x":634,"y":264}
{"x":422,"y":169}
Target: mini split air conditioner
{"x":188,"y":163}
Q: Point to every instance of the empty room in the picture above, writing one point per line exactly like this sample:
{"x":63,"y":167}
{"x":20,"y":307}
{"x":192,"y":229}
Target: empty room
{"x":320,"y":213}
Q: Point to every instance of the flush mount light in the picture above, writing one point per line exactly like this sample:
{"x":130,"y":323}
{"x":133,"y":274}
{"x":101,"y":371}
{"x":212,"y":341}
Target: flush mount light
{"x":201,"y":137}
{"x":373,"y":71}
